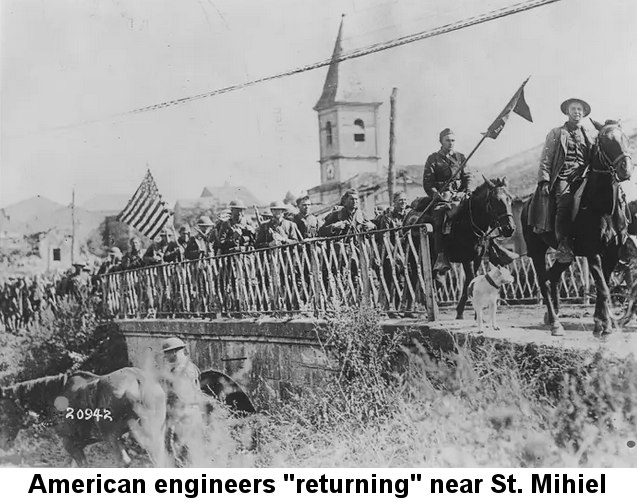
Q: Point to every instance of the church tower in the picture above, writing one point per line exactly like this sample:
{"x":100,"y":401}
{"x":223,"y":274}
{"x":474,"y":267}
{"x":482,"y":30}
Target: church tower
{"x":347,"y":122}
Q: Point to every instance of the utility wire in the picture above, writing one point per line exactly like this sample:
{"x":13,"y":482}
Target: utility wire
{"x":356,"y":53}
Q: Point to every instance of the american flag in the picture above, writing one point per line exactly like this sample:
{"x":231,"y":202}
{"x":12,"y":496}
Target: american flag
{"x":146,"y":211}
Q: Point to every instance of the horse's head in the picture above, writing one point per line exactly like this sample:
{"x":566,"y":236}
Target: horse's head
{"x":612,"y":146}
{"x":498,"y":204}
{"x":12,"y":419}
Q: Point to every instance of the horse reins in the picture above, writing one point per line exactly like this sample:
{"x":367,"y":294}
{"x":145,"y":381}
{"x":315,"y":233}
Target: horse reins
{"x":498,"y":225}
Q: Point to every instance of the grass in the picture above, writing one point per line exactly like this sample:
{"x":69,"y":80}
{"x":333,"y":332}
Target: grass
{"x":483,"y":404}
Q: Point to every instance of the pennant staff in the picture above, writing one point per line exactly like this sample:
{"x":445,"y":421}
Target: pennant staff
{"x":516,"y":104}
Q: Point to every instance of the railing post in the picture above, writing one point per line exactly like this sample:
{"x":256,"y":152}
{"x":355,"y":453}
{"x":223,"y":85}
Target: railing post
{"x":365,"y":280}
{"x":429,"y":294}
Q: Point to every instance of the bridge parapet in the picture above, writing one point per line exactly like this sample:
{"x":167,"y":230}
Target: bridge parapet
{"x":388,"y":269}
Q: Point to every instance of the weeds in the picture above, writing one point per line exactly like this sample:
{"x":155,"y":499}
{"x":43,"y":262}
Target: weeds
{"x":396,"y":400}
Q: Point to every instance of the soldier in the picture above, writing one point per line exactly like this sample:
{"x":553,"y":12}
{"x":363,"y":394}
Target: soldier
{"x":201,"y":245}
{"x":134,"y":257}
{"x":162,"y":251}
{"x":80,"y":280}
{"x":564,"y":159}
{"x":307,"y":223}
{"x":183,"y":400}
{"x":349,"y":219}
{"x":277,"y":231}
{"x":236,"y":234}
{"x":112,"y":261}
{"x":393,"y":218}
{"x":441,"y":167}
{"x":183,"y":240}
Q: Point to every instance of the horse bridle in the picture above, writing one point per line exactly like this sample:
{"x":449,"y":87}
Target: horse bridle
{"x":611,"y":165}
{"x":497,"y":219}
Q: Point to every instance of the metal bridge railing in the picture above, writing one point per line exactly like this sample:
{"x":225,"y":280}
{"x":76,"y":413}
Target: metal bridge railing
{"x":388,"y":269}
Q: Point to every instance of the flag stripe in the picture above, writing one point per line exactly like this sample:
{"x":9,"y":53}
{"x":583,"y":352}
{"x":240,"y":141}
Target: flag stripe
{"x":151,"y":220}
{"x":135,"y":207}
{"x":163,"y":219}
{"x":136,"y":218}
{"x":146,"y":211}
{"x":132,"y":204}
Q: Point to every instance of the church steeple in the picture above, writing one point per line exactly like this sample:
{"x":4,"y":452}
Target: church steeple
{"x":347,"y":121}
{"x":330,"y":87}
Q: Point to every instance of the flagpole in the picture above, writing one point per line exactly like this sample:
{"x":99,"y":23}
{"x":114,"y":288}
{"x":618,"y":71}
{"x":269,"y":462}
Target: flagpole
{"x":454,"y":174}
{"x":502,"y":116}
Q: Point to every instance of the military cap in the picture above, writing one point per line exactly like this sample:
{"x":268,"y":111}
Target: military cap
{"x":204,"y":221}
{"x":115,"y":251}
{"x":445,"y":132}
{"x":79,"y":264}
{"x":278,"y":205}
{"x":302,"y":199}
{"x":173,"y":343}
{"x":237,"y":204}
{"x":351,"y":191}
{"x":564,"y":106}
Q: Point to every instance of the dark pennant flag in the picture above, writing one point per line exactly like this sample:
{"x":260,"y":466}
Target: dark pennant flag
{"x":516,"y":105}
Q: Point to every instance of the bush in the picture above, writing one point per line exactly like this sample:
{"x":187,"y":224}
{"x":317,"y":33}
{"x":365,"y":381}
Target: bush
{"x":65,"y":340}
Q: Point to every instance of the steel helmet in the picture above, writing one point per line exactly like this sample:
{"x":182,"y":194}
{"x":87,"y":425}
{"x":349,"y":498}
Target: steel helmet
{"x":173,"y":343}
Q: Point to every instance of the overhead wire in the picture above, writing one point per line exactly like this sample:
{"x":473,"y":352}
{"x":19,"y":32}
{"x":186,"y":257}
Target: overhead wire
{"x":352,"y":54}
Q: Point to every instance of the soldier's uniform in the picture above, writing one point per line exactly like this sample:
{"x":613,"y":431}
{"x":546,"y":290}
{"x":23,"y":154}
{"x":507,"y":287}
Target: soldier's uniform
{"x":440,"y":167}
{"x":308,"y":225}
{"x":236,"y":235}
{"x":182,"y":242}
{"x":132,"y":259}
{"x":201,"y":245}
{"x":565,"y":156}
{"x":275,"y":233}
{"x":183,"y":403}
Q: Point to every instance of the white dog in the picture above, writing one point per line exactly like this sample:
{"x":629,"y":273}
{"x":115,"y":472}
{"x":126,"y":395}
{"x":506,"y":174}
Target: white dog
{"x":484,"y":291}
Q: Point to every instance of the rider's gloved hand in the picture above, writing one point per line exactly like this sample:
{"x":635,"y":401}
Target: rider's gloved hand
{"x":544,"y":188}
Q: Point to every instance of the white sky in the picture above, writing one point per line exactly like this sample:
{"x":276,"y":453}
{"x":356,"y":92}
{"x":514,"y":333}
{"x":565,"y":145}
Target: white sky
{"x":64,"y":62}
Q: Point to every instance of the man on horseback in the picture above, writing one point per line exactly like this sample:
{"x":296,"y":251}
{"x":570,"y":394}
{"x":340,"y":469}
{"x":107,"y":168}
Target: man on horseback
{"x":444,"y":185}
{"x":564,"y":160}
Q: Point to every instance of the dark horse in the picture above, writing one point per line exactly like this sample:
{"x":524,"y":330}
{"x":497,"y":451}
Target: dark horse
{"x":486,"y":210}
{"x":594,"y":231}
{"x":125,"y":400}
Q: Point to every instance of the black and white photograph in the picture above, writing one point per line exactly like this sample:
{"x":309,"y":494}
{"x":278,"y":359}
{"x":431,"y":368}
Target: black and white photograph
{"x":319,"y":234}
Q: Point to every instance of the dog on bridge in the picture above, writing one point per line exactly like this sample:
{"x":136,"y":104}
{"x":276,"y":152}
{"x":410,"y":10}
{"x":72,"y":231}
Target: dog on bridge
{"x":484,"y":291}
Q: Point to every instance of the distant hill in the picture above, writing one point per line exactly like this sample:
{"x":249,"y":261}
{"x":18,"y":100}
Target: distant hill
{"x":23,"y":216}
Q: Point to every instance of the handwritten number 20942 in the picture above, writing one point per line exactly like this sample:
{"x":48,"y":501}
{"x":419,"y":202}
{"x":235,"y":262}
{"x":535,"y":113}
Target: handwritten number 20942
{"x":88,"y":414}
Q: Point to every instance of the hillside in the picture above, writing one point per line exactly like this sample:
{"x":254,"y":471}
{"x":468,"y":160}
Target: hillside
{"x":22,"y":217}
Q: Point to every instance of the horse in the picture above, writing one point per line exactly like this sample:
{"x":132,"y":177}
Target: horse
{"x":479,"y":216}
{"x":594,"y":233}
{"x":86,"y":408}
